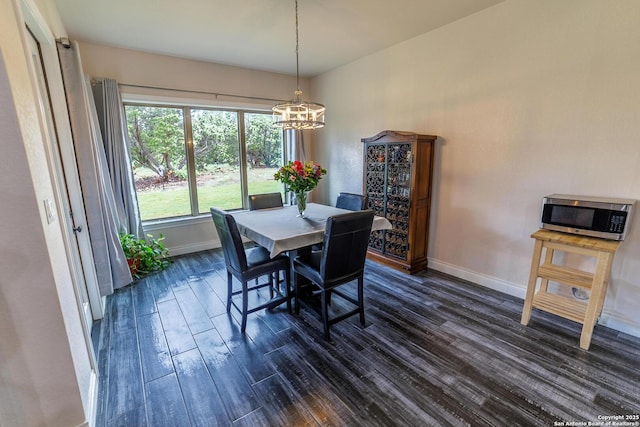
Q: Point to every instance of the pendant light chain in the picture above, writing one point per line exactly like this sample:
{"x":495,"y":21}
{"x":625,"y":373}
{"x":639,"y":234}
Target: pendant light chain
{"x":298,"y":114}
{"x":297,"y":52}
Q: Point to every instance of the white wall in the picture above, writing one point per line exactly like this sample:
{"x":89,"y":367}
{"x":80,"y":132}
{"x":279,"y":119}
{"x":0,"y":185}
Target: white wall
{"x":45,"y":372}
{"x":529,"y":98}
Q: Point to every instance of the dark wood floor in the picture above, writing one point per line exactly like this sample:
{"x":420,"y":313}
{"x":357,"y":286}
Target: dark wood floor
{"x":436,"y":351}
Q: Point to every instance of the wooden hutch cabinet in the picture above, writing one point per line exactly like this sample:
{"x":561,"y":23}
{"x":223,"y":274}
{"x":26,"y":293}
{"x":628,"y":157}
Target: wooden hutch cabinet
{"x":398,"y":169}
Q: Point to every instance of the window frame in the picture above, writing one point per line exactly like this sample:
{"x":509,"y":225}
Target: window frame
{"x":186,"y":106}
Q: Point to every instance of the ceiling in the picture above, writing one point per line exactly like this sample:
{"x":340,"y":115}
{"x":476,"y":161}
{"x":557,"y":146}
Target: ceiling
{"x":260,"y":34}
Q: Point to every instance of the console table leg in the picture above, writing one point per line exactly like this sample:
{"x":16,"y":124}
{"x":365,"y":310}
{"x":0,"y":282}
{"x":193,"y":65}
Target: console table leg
{"x":531,"y":287}
{"x":598,"y":288}
{"x":548,"y":259}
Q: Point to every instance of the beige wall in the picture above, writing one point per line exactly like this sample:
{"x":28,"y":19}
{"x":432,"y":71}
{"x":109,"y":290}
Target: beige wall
{"x":130,"y":67}
{"x":529,"y":98}
{"x":148,"y":69}
{"x":44,"y":370}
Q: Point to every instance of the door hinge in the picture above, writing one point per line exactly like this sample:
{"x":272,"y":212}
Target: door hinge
{"x":77,"y":229}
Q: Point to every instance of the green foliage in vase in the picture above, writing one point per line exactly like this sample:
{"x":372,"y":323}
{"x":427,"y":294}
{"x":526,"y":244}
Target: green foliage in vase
{"x":144,"y":256}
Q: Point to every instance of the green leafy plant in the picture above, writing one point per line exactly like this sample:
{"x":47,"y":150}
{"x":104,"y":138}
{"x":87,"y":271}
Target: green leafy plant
{"x":144,"y":256}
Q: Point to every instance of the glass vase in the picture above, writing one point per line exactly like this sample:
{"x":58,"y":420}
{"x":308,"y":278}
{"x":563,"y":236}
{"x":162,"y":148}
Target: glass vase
{"x":301,"y":202}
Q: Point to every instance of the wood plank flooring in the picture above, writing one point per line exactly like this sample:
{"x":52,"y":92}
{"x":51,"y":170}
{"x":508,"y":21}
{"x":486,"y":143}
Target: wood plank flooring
{"x":436,"y":351}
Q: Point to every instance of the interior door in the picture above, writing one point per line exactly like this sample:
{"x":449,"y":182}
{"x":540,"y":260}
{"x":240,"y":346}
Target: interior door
{"x":61,"y":187}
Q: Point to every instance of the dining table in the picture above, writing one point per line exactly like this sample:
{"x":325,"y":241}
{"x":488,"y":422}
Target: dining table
{"x":282,"y":229}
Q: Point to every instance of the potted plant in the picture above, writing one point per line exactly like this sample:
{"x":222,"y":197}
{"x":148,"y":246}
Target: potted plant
{"x":144,"y":256}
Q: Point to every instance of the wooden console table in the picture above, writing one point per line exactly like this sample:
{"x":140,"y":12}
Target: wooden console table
{"x":585,"y":312}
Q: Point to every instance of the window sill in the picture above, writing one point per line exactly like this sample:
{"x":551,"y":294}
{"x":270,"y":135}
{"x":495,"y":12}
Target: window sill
{"x":160,"y":224}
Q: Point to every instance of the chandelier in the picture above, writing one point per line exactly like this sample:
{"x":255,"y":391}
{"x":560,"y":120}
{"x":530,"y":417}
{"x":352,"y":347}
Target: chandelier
{"x":298,"y":114}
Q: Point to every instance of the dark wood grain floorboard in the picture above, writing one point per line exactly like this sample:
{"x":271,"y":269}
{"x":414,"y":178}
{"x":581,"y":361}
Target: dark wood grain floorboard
{"x":143,"y":300}
{"x":201,"y":396}
{"x":102,"y":359}
{"x":327,"y":409}
{"x":165,"y":404}
{"x":217,"y":281}
{"x":154,"y":351}
{"x":434,"y":351}
{"x":133,"y":417}
{"x":252,"y":361}
{"x":175,"y":327}
{"x":124,"y":390}
{"x":161,"y":286}
{"x":193,"y":312}
{"x":237,"y":395}
{"x":281,"y":405}
{"x":255,"y":418}
{"x":210,"y":301}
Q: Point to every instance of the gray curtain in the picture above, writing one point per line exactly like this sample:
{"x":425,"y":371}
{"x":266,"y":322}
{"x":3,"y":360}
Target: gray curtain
{"x":294,"y":149}
{"x":114,"y":137}
{"x":102,"y":219}
{"x":294,"y":145}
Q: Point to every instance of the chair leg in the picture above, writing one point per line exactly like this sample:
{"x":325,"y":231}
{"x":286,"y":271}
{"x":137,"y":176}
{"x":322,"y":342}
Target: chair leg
{"x":245,"y":305}
{"x":361,"y":299}
{"x":287,"y":289}
{"x":229,"y":291}
{"x":296,"y":293}
{"x":271,"y":277}
{"x":325,"y":314}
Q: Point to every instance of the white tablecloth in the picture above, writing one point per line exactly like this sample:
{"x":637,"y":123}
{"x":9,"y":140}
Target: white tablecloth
{"x":280,"y":229}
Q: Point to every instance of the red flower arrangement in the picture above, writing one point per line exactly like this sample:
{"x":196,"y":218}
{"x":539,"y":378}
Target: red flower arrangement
{"x":299,"y":177}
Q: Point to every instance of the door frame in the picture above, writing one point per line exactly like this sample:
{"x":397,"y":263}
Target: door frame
{"x":86,"y":370}
{"x":49,"y":52}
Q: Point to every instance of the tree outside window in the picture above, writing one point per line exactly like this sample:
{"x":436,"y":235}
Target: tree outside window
{"x":174,"y":178}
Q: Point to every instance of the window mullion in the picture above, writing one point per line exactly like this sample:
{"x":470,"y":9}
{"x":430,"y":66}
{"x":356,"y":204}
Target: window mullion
{"x":191,"y":162}
{"x":243,"y":160}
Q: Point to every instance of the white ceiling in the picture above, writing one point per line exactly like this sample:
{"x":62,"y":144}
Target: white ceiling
{"x":260,"y":34}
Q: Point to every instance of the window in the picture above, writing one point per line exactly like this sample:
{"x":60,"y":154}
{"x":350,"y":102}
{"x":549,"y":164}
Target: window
{"x":186,"y":159}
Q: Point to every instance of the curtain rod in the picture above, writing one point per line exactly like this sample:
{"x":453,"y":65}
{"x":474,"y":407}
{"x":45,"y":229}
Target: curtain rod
{"x":216,"y":94}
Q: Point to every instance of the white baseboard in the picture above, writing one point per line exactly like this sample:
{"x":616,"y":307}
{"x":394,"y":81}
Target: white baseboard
{"x":93,"y":401}
{"x":478,"y":278}
{"x":608,"y":319}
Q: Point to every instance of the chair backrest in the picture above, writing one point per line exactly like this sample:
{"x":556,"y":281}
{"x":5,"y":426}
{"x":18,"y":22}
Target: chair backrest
{"x":264,"y":201}
{"x":350,"y":201}
{"x":346,"y":238}
{"x":232,"y":247}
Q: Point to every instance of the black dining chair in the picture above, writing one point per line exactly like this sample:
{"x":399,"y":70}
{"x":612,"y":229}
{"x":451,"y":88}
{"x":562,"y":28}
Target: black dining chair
{"x":248,"y":264}
{"x":351,"y":201}
{"x":265,"y":201}
{"x":341,"y":261}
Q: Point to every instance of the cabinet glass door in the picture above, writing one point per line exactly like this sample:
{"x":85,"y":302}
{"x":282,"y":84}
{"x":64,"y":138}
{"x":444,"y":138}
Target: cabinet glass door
{"x":375,"y":175}
{"x":388,"y":187}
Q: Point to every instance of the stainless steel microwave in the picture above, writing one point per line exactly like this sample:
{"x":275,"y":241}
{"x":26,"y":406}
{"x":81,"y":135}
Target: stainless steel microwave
{"x":603,"y":217}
